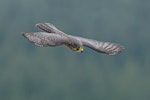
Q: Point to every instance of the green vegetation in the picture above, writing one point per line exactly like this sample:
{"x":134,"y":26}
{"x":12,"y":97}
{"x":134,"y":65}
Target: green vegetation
{"x":28,"y":72}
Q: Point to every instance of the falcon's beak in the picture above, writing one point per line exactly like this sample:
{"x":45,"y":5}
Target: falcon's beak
{"x":80,"y":49}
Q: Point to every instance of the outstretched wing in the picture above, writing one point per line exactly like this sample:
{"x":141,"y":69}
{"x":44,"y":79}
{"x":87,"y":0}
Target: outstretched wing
{"x":102,"y":47}
{"x":50,"y":28}
{"x":45,"y":39}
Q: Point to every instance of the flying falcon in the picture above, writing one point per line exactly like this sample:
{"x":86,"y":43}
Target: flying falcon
{"x":54,"y":37}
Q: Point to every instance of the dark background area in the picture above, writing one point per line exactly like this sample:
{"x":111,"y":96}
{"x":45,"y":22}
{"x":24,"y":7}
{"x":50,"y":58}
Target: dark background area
{"x":28,"y":72}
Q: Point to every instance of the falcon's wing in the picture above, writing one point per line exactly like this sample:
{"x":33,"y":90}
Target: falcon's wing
{"x":50,"y":28}
{"x":45,"y":39}
{"x":102,"y":47}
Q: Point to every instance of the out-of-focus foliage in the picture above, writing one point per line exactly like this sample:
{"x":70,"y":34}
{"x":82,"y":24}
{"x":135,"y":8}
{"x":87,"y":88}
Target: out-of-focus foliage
{"x":28,"y":72}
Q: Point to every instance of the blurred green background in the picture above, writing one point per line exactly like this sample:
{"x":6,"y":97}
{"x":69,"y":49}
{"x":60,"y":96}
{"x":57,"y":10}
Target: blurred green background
{"x":28,"y":72}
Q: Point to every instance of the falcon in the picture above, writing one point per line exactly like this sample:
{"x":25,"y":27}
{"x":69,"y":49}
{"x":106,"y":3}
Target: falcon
{"x":52,"y":36}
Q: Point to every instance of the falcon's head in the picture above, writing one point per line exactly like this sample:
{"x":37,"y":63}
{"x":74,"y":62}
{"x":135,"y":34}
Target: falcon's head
{"x":75,"y":44}
{"x":75,"y":47}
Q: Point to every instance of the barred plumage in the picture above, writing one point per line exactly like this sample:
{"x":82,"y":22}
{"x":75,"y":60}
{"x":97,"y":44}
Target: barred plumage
{"x":54,"y":37}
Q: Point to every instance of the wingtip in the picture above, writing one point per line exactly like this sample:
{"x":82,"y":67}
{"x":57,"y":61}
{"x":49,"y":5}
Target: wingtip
{"x":117,"y":51}
{"x":22,"y":33}
{"x":37,"y":25}
{"x":121,"y":48}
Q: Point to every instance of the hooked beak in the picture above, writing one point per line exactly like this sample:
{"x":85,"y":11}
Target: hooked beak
{"x":80,"y":49}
